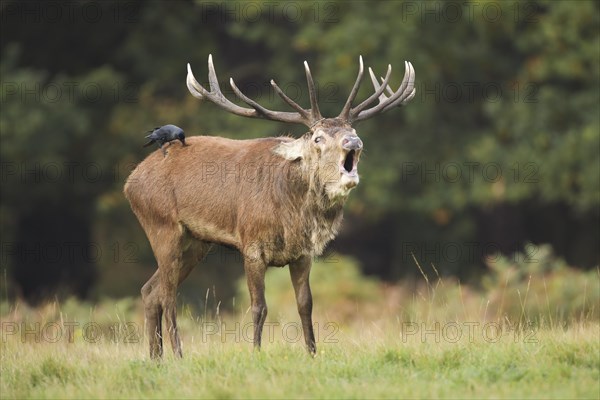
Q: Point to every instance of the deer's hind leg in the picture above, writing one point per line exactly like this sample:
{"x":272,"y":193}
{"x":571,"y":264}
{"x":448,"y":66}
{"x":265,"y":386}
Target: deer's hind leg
{"x":190,"y":257}
{"x":166,"y":239}
{"x":176,"y":253}
{"x":153,"y":314}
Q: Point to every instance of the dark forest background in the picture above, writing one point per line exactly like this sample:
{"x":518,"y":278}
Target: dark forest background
{"x":499,"y":152}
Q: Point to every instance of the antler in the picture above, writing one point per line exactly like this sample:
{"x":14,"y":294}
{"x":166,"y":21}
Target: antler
{"x":400,"y":97}
{"x":301,"y":116}
{"x":309,"y":117}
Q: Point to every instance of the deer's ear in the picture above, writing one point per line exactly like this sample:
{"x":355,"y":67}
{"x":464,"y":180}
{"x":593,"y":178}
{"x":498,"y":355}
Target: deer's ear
{"x":292,"y":151}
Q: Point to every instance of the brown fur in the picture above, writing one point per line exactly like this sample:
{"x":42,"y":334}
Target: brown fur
{"x":277,"y":200}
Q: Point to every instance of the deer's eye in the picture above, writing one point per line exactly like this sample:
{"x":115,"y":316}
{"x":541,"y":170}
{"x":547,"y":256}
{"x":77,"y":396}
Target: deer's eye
{"x":318,"y":139}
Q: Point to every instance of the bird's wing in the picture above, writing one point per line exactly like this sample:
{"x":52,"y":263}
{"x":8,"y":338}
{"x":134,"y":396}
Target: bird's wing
{"x":152,"y":130}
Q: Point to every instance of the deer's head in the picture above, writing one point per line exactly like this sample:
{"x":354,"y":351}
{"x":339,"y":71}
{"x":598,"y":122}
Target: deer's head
{"x":331,"y":149}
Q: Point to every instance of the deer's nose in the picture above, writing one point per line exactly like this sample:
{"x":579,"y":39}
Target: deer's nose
{"x":352,"y":143}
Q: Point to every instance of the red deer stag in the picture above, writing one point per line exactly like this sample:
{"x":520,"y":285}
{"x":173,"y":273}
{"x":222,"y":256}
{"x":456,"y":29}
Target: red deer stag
{"x":277,"y":200}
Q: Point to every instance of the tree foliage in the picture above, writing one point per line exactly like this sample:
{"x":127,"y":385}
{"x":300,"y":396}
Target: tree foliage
{"x":500,"y":146}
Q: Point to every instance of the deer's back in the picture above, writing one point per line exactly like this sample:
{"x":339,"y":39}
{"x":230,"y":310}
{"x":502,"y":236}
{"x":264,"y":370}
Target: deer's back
{"x":221,"y":190}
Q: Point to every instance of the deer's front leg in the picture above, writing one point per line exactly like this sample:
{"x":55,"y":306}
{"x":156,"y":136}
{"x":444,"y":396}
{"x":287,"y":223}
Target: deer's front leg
{"x":300,"y":272}
{"x":255,"y":275}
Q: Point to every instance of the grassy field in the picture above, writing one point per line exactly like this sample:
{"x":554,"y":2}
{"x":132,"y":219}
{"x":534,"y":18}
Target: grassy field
{"x":373,"y":362}
{"x":520,"y":334}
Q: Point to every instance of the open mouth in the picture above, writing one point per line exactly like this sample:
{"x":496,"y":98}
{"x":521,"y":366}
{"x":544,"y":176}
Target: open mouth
{"x":348,"y":164}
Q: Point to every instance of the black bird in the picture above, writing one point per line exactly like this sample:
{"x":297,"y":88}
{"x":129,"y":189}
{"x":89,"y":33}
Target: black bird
{"x":165,"y":134}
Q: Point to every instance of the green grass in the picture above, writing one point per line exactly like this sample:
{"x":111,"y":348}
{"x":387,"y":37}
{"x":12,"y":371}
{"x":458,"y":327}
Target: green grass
{"x":527,"y":331}
{"x":372,"y":361}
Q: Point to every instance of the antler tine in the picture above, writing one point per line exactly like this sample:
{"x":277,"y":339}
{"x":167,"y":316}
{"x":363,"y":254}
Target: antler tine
{"x":212,"y":76}
{"x":408,"y":93}
{"x":193,"y":86}
{"x":409,"y":98}
{"x":391,"y":92}
{"x":388,"y":89}
{"x":377,"y":86}
{"x":257,"y":111}
{"x":378,"y":92}
{"x":215,"y":97}
{"x":289,"y":101}
{"x":403,"y":95}
{"x":266,"y":113}
{"x":314,"y":106}
{"x":345,"y":114}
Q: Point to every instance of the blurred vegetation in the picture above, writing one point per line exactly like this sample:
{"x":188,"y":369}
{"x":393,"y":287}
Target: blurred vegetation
{"x":499,"y":148}
{"x":543,"y":289}
{"x":335,"y":280}
{"x":516,"y":291}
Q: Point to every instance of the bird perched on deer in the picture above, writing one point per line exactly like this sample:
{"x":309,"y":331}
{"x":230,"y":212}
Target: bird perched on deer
{"x":165,"y":134}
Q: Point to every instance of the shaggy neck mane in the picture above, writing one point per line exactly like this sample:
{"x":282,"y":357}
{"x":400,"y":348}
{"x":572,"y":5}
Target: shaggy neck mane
{"x":318,"y":216}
